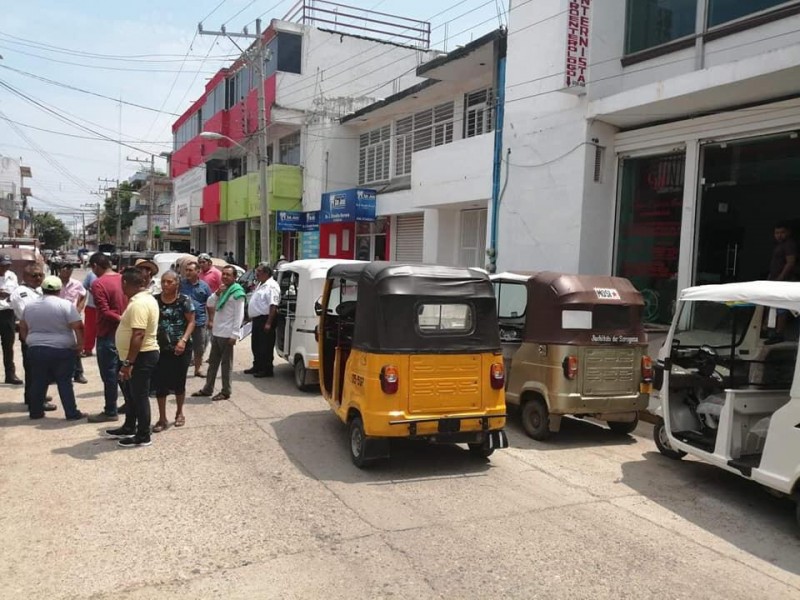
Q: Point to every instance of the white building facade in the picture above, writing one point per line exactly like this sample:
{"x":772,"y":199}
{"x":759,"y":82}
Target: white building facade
{"x":652,"y":139}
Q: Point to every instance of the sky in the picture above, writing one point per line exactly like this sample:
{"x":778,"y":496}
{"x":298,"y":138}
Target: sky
{"x":145,"y":53}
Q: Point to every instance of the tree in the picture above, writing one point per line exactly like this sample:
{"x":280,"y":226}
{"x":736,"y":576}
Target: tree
{"x":110,"y":220}
{"x":51,"y":230}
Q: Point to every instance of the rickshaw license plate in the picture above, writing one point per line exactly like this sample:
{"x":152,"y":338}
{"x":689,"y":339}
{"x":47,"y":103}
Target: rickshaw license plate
{"x":449,"y":425}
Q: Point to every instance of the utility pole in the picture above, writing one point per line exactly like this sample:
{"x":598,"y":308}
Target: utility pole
{"x":152,"y":201}
{"x":258,"y":55}
{"x":94,"y":206}
{"x":115,"y":190}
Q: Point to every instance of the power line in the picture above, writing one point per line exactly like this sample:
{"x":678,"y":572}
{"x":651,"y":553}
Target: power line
{"x":89,"y":92}
{"x":83,"y":137}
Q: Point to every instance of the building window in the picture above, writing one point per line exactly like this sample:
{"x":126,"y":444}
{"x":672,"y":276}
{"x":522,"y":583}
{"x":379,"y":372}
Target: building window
{"x":289,"y":52}
{"x":433,"y":127}
{"x":473,"y":238}
{"x":722,"y":11}
{"x":649,"y":230}
{"x":403,"y":141}
{"x":374,"y":155}
{"x":289,"y":149}
{"x":478,"y":112}
{"x":651,"y":23}
{"x":657,"y":22}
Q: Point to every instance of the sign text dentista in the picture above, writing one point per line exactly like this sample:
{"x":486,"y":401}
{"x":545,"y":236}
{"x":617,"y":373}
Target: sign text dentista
{"x":578,"y":41}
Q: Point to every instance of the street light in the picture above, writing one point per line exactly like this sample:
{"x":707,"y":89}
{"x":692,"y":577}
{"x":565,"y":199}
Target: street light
{"x":262,"y":189}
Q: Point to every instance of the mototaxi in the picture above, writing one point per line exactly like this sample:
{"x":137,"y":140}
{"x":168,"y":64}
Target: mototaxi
{"x":729,"y":395}
{"x":573,"y":345}
{"x":412,"y":351}
{"x":301,"y":283}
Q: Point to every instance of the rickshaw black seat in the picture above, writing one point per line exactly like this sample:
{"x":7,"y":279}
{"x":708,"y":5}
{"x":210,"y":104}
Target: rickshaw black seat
{"x":347,"y":310}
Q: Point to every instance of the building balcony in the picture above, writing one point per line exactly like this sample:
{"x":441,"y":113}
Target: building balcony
{"x":453,"y":173}
{"x":241,"y":198}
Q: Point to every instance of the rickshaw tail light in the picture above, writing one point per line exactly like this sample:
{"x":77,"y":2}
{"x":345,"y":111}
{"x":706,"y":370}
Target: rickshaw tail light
{"x":647,"y":369}
{"x":497,"y":375}
{"x":570,"y":366}
{"x":390,"y":379}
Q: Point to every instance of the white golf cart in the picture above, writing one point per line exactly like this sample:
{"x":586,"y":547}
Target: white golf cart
{"x":730,"y":395}
{"x":301,"y":283}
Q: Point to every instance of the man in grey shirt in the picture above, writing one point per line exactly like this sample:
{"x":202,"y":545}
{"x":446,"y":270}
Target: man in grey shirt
{"x":53,"y":332}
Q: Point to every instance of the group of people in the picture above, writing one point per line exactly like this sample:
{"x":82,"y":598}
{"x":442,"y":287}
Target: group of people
{"x":145,"y":342}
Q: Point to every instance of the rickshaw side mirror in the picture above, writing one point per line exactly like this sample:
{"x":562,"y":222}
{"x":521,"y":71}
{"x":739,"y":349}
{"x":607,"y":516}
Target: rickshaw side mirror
{"x":318,"y":306}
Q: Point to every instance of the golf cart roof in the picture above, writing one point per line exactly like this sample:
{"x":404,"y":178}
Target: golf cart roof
{"x":775,"y":294}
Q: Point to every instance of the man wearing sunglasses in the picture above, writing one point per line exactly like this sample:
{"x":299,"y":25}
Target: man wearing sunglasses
{"x":30,"y":291}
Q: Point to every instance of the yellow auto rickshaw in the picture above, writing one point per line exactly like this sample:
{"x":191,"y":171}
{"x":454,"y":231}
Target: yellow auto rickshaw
{"x":412,"y":351}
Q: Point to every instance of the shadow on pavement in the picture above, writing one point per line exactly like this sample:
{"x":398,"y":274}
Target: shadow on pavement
{"x":575,"y":433}
{"x":89,"y":449}
{"x":317,"y":443}
{"x":749,"y":518}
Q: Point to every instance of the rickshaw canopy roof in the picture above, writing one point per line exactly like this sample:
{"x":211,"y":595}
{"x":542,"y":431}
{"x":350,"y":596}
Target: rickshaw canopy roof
{"x":775,"y":294}
{"x":390,"y":296}
{"x":317,"y":268}
{"x":550,"y":293}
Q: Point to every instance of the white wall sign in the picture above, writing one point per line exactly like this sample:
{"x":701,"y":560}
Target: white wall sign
{"x":578,"y":40}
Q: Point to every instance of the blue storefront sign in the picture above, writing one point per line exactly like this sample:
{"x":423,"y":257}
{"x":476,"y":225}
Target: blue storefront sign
{"x":297,"y":221}
{"x":289,"y":220}
{"x":309,"y":245}
{"x":348,"y":206}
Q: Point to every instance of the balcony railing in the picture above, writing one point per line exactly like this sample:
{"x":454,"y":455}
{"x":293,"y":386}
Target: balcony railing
{"x":361,"y":21}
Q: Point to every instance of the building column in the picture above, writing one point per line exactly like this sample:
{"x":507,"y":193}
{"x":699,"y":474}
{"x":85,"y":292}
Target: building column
{"x":430,"y":237}
{"x":691,"y":187}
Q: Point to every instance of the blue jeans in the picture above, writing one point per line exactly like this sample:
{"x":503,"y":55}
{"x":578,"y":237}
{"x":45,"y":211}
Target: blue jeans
{"x":51,"y":364}
{"x":108,"y":363}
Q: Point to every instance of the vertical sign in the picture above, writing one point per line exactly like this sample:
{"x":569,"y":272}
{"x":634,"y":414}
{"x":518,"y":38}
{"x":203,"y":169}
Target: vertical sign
{"x":578,"y":40}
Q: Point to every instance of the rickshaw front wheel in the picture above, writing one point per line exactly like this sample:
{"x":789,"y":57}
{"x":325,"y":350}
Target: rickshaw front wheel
{"x":300,"y":374}
{"x":358,"y":442}
{"x":623,"y":427}
{"x":536,"y":418}
{"x":481,"y":449}
{"x":662,"y":442}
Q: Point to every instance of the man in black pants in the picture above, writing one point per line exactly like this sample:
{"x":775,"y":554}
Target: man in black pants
{"x":263,"y":312}
{"x":137,"y":344}
{"x":8,"y":283}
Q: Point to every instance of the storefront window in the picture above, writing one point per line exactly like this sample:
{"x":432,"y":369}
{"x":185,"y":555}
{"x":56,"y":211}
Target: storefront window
{"x":650,"y":23}
{"x":649,"y":229}
{"x":371,"y":239}
{"x":722,"y":11}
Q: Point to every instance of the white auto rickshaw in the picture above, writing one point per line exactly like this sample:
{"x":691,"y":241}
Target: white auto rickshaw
{"x":729,"y":387}
{"x":301,"y":284}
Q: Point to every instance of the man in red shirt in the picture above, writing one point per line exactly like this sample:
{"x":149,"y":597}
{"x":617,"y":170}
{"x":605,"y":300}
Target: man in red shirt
{"x":110,"y":302}
{"x":209,"y":273}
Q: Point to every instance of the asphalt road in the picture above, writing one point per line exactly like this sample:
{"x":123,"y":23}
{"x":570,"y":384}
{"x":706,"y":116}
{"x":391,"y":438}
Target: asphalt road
{"x":256,"y":498}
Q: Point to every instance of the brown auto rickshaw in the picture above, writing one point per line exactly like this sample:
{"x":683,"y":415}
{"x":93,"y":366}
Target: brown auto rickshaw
{"x":573,"y":345}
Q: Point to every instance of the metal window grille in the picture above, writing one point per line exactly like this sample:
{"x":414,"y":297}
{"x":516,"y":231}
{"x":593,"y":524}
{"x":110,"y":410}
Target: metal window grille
{"x":478,"y":112}
{"x":374,"y":155}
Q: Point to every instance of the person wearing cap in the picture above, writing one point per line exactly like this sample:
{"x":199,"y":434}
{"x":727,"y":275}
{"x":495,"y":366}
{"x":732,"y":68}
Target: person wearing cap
{"x":73,"y":291}
{"x":53,"y":331}
{"x":8,"y":283}
{"x":28,"y":292}
{"x":209,"y":273}
{"x":150,"y":270}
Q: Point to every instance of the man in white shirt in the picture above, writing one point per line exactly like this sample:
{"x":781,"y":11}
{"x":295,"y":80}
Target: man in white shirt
{"x":29,"y":292}
{"x":263,"y":312}
{"x":225,"y":316}
{"x":8,"y":283}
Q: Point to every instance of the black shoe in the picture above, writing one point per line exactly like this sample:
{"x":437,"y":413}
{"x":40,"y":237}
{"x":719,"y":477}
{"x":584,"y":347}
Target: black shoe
{"x":78,"y":416}
{"x":250,"y":371}
{"x":261,"y":374}
{"x":41,"y":416}
{"x":134,"y":442}
{"x":14,"y":380}
{"x":80,"y":379}
{"x":122,"y":409}
{"x":49,"y":406}
{"x":120,"y":432}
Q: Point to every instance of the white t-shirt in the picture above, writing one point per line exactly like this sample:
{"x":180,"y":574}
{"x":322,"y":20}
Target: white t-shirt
{"x":8,"y":283}
{"x":22,"y":297}
{"x":267,"y":294}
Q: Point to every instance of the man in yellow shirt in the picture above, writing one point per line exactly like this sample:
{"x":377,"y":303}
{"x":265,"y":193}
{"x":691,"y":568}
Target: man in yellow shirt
{"x":137,"y":344}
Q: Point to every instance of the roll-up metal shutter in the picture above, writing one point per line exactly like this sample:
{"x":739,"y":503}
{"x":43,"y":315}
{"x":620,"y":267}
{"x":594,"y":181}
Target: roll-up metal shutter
{"x":408,"y":244}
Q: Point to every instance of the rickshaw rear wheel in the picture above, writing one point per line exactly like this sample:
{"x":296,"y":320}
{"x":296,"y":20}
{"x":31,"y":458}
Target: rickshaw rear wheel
{"x":662,"y":441}
{"x":536,"y":418}
{"x":623,"y":427}
{"x":358,"y":442}
{"x":300,"y":374}
{"x":481,"y":449}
